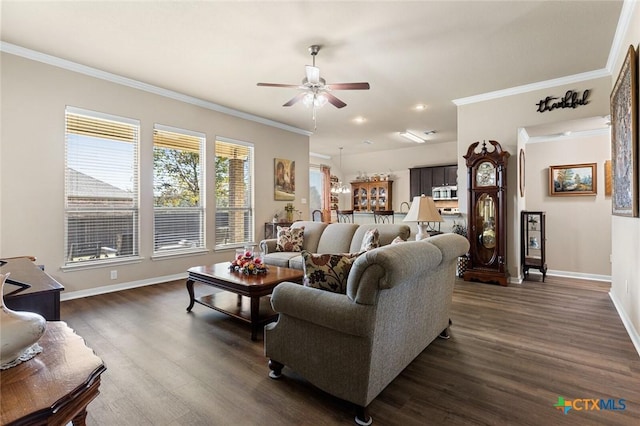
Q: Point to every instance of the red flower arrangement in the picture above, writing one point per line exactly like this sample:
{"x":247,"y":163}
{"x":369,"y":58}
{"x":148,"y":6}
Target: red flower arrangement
{"x":248,"y":264}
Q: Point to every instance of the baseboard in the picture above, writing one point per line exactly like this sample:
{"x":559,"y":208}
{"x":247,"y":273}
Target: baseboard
{"x":566,"y":274}
{"x":631,"y":330}
{"x":579,"y":275}
{"x":119,"y":287}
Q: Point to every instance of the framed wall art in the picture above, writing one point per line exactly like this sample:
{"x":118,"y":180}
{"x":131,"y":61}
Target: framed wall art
{"x":624,"y":138}
{"x":607,"y":178}
{"x":522,"y":172}
{"x":284,"y":179}
{"x":573,"y":179}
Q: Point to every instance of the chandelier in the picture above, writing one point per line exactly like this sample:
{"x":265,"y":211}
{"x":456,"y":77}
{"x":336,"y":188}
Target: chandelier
{"x":340,"y":188}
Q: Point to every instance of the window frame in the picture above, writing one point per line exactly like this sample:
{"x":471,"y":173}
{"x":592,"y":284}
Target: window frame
{"x":219,"y":224}
{"x":115,"y":131}
{"x":201,"y":245}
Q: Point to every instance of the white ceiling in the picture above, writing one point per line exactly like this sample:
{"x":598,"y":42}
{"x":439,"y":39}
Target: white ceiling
{"x":411,"y":52}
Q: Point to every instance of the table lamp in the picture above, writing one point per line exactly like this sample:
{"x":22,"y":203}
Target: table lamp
{"x":422,"y":210}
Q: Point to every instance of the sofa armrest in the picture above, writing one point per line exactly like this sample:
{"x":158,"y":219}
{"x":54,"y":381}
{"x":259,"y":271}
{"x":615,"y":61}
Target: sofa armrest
{"x":451,"y":245}
{"x":268,"y":246}
{"x":324,"y":308}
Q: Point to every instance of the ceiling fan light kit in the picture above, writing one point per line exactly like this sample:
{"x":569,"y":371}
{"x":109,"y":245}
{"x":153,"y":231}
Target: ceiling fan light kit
{"x":314,"y":100}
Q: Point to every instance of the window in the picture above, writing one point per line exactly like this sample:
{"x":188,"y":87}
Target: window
{"x":316,"y":189}
{"x":319,"y":186}
{"x":101,"y":187}
{"x":234,"y":193}
{"x":178,"y":191}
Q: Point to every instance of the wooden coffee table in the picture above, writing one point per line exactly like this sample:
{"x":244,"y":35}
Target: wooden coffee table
{"x":240,"y":288}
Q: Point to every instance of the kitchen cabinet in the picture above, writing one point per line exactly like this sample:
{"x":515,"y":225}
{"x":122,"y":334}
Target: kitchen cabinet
{"x":423,"y":179}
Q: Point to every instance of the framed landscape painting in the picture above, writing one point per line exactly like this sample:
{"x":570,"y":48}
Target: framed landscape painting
{"x":284,"y":179}
{"x":624,"y":138}
{"x":573,"y":179}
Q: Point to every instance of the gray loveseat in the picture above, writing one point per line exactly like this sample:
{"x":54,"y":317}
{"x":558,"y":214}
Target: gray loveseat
{"x":353,"y":345}
{"x":320,"y":237}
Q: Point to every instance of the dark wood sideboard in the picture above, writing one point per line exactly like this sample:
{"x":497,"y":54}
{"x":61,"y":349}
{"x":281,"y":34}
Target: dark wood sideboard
{"x":31,"y":289}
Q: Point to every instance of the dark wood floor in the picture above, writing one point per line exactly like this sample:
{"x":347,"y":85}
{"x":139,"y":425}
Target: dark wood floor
{"x":513,"y":351}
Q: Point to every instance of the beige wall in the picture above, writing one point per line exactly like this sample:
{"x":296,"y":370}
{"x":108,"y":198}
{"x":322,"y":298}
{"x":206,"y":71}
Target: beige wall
{"x":398,"y":163}
{"x":625,"y":273}
{"x":34,"y":97}
{"x":500,"y":119}
{"x":578,"y":227}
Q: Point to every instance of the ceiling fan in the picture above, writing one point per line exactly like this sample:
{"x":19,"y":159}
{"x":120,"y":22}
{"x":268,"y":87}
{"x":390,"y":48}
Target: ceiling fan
{"x":315,"y":90}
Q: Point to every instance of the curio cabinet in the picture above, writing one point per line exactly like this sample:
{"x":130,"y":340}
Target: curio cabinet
{"x":533,"y":242}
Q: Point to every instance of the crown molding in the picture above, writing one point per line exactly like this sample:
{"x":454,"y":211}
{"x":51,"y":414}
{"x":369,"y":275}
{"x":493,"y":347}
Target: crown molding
{"x":315,"y":154}
{"x":573,"y":135}
{"x":624,"y":21}
{"x":124,"y":81}
{"x":518,"y":90}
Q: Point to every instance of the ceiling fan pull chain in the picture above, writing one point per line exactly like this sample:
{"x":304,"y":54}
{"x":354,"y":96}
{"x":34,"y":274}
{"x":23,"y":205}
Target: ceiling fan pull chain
{"x":315,"y":123}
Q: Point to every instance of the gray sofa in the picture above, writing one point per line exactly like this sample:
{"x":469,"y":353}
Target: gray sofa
{"x":320,"y":237}
{"x":353,"y":345}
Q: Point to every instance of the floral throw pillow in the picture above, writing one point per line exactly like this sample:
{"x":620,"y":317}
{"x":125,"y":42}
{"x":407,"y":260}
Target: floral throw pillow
{"x":371,"y":240}
{"x":327,"y":271}
{"x":290,"y":239}
{"x":398,"y":240}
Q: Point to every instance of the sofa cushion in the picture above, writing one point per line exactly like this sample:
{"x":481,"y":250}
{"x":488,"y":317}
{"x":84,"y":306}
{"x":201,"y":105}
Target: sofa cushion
{"x":387,"y":231}
{"x":336,"y":238}
{"x":370,"y":240}
{"x":327,"y":271}
{"x":312,"y":233}
{"x":296,"y":262}
{"x":280,"y":258}
{"x":290,"y":239}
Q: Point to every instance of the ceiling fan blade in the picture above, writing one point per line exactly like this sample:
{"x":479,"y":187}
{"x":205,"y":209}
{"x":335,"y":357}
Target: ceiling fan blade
{"x":278,"y":85}
{"x":334,"y":101}
{"x":295,"y":99}
{"x":348,"y":86}
{"x":313,"y":74}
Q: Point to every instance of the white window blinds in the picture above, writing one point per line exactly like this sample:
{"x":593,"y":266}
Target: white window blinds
{"x":178,"y":190}
{"x":234,"y":224}
{"x":101,"y":186}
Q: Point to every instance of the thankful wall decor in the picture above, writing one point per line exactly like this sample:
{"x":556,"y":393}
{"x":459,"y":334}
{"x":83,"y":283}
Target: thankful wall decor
{"x":571,"y":99}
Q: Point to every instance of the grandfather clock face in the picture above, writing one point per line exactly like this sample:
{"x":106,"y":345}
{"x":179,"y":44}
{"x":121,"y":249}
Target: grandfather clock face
{"x":486,"y":174}
{"x":487,"y":196}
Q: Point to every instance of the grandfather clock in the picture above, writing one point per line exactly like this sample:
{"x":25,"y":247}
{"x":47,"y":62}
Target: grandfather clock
{"x":487,"y":232}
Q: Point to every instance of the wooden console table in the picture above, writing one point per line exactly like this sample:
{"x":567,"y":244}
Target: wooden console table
{"x":35,"y":290}
{"x":55,"y":386}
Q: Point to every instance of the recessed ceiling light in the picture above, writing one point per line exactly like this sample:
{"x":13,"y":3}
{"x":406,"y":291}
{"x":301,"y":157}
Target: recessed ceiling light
{"x":420,"y":107}
{"x":359,"y":120}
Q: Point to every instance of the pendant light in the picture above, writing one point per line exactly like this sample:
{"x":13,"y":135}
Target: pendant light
{"x":340,"y":188}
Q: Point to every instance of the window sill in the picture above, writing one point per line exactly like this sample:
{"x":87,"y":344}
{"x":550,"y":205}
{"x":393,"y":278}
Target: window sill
{"x":170,"y":254}
{"x":93,"y":264}
{"x":226,"y":247}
